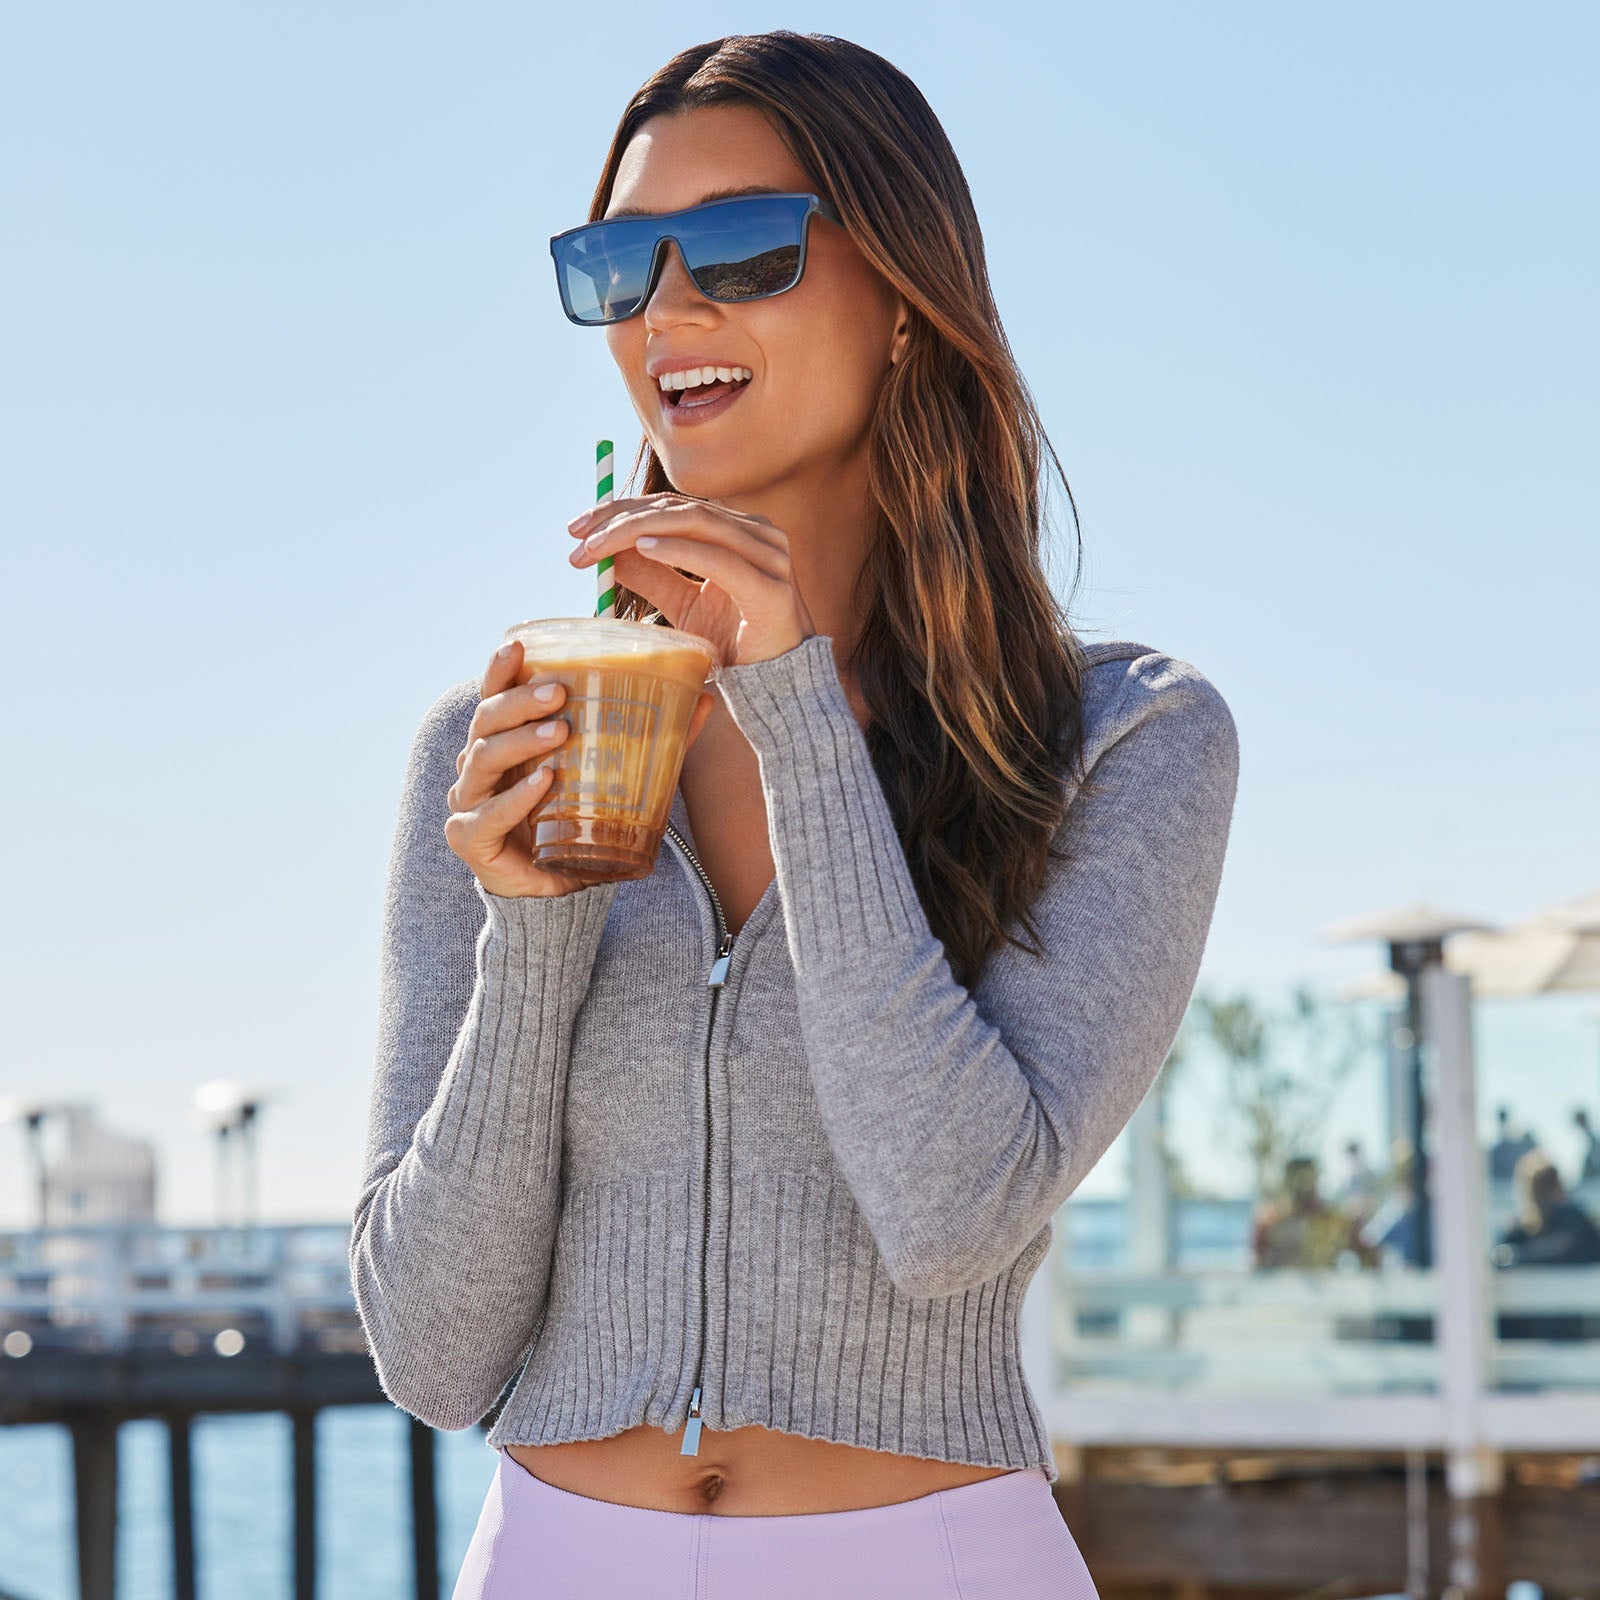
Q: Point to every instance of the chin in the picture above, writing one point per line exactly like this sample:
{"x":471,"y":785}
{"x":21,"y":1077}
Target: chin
{"x":713,"y":474}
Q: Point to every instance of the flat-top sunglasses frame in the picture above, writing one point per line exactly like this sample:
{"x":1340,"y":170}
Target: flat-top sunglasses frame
{"x":776,"y":221}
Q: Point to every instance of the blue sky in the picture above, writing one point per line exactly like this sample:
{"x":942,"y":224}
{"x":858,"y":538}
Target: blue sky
{"x":293,"y":423}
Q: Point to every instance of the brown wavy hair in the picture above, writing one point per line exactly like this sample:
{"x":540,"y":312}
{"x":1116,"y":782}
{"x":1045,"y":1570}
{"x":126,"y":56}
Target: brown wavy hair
{"x":972,"y":675}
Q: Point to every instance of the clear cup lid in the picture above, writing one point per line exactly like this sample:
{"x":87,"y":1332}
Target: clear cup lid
{"x":565,"y":637}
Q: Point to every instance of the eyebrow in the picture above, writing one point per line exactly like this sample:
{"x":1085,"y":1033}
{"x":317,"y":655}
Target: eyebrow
{"x":704,"y":200}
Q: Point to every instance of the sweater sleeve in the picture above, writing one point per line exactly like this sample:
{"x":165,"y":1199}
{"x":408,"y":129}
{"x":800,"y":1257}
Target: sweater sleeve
{"x":962,"y":1120}
{"x":454,"y":1227}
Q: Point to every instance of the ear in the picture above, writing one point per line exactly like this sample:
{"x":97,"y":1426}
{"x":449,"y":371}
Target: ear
{"x":902,"y":332}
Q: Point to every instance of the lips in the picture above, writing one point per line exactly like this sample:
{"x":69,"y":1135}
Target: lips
{"x":690,"y":407}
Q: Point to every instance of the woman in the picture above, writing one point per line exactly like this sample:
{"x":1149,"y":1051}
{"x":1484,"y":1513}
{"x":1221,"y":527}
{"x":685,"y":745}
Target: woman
{"x":744,"y":1167}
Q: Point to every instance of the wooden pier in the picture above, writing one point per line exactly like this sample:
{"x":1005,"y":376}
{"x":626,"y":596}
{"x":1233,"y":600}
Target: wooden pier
{"x":1222,"y":1525}
{"x":104,"y":1325}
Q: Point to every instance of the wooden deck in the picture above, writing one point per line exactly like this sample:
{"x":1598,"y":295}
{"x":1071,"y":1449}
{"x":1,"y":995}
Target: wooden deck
{"x":1212,"y":1525}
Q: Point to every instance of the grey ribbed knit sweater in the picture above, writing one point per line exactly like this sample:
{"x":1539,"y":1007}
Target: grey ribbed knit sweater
{"x":817,"y":1192}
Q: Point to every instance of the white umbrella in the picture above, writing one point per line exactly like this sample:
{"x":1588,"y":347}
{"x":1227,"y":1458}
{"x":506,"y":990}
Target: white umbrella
{"x":1418,"y":923}
{"x":1556,"y":949}
{"x":1559,"y":948}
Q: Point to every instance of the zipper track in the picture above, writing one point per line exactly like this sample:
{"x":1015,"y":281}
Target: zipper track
{"x":711,"y":889}
{"x":719,"y":974}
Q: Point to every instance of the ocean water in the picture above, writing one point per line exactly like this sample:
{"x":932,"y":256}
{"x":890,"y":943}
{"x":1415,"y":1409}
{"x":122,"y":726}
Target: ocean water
{"x":243,"y":1507}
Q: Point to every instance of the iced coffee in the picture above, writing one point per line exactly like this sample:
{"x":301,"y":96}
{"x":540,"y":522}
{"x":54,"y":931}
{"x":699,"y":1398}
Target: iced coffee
{"x":631,"y":691}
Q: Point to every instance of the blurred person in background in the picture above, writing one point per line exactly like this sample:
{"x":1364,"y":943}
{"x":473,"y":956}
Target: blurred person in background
{"x":1551,"y":1230}
{"x":1392,"y":1232}
{"x":1358,"y":1192}
{"x":1300,"y":1228}
{"x":1591,"y":1146}
{"x":1508,"y":1148}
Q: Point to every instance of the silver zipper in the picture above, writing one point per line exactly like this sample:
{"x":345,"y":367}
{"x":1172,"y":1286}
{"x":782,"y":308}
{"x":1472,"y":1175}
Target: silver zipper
{"x":691,"y":1430}
{"x":718,"y":977}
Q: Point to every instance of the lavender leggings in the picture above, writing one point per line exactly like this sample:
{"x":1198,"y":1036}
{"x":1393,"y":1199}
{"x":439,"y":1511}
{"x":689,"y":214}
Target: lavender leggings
{"x":996,"y":1539}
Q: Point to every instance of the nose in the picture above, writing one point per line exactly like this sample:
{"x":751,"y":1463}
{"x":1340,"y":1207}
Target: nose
{"x":674,"y":299}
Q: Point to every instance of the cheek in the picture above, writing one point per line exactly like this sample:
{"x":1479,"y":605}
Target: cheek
{"x":625,"y":341}
{"x":843,"y":347}
{"x":833,"y":374}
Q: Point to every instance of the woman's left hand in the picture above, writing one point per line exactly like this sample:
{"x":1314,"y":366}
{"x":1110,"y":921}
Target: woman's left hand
{"x":742,"y":598}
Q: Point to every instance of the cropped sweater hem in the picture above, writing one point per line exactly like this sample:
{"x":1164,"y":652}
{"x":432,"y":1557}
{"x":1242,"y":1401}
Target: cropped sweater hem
{"x":939,"y":1379}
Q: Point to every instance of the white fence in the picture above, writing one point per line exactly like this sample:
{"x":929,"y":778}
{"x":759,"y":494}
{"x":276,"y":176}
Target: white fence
{"x":115,"y":1288}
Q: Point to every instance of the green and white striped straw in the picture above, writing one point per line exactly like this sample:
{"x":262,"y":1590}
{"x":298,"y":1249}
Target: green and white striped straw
{"x":605,"y":588}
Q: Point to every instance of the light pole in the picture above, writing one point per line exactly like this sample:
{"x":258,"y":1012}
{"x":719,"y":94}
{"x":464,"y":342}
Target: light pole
{"x":232,"y":1112}
{"x":33,"y":1123}
{"x":31,"y":1116}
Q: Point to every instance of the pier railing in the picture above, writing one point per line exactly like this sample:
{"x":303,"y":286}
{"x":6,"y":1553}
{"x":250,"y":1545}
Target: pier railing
{"x":142,"y":1286}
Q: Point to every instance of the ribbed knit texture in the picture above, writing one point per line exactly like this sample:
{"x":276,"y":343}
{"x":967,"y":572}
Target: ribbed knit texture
{"x":886,"y":1148}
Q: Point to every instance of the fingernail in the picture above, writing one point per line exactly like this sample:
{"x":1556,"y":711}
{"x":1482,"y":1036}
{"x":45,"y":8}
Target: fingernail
{"x":578,"y":521}
{"x":595,"y":540}
{"x":545,"y":691}
{"x":503,"y":653}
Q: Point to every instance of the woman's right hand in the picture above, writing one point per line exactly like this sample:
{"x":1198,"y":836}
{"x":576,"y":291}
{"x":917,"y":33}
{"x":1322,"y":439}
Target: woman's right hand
{"x":493,"y":798}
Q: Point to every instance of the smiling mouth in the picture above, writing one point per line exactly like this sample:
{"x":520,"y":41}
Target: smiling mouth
{"x":703,"y":386}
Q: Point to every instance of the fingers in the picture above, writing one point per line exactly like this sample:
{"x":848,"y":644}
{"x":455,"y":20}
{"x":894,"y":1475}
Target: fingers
{"x":508,"y":704}
{"x":756,"y":590}
{"x":481,"y":768}
{"x":596,"y":517}
{"x":504,"y":665}
{"x":608,"y":528}
{"x":744,"y":558}
{"x":669,"y":592}
{"x":478,"y":835}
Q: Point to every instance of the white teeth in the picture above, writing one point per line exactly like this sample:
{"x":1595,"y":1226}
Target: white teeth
{"x":693,"y":377}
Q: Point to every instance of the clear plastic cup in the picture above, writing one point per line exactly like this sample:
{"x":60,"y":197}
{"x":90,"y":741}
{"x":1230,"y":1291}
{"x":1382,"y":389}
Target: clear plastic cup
{"x":631,"y":691}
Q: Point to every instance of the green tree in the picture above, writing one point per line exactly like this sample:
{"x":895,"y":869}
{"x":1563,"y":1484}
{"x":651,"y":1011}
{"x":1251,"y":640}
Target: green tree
{"x":1282,"y":1068}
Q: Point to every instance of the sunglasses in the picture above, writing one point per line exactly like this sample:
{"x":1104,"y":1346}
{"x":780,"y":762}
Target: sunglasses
{"x":746,"y":248}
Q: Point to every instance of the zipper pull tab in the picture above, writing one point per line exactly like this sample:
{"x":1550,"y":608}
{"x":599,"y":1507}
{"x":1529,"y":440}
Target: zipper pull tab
{"x":719,"y":967}
{"x":691,"y":1431}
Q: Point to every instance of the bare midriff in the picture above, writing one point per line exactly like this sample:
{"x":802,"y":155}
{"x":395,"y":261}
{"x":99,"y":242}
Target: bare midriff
{"x":745,"y":1472}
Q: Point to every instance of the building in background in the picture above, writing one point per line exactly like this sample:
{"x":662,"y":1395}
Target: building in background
{"x":83,"y":1174}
